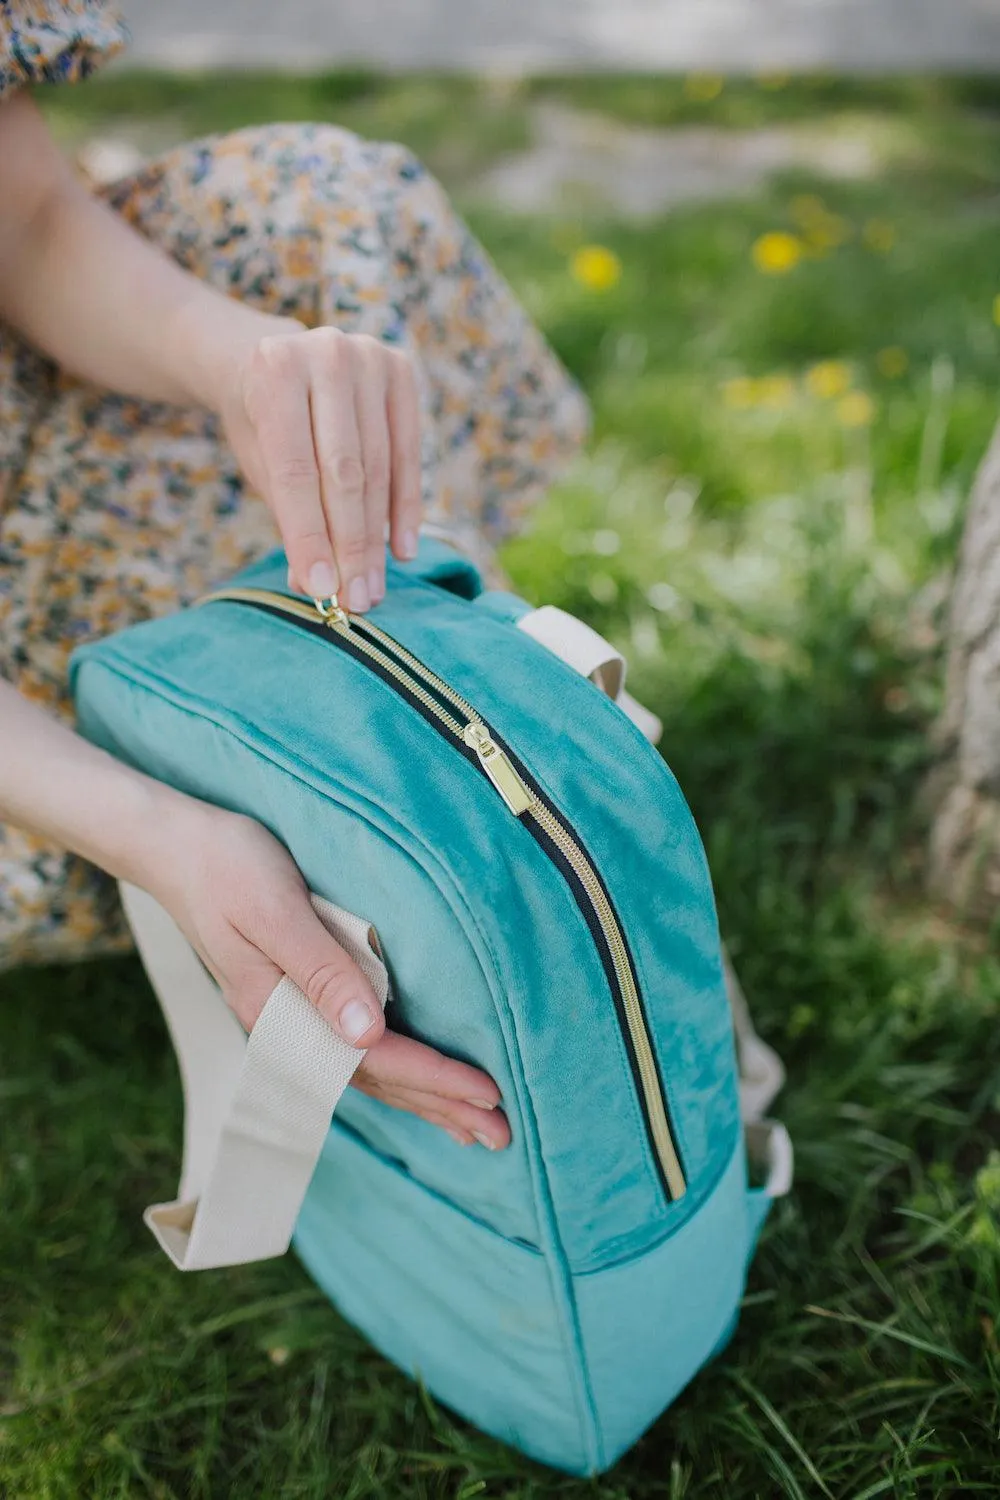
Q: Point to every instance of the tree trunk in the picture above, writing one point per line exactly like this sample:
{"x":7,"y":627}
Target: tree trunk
{"x":964,"y":788}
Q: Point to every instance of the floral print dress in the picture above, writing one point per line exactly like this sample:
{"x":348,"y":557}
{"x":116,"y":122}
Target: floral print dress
{"x":113,"y":510}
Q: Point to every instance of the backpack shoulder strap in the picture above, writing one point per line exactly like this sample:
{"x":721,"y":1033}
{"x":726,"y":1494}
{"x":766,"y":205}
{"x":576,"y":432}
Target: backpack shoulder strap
{"x":257,"y":1109}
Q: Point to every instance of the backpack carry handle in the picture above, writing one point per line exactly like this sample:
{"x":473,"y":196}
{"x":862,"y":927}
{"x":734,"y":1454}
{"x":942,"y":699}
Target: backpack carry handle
{"x":439,"y":561}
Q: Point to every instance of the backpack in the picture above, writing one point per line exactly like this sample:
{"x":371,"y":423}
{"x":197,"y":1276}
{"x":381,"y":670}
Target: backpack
{"x":468,"y":791}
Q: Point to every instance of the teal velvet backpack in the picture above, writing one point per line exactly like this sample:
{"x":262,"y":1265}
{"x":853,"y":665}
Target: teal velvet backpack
{"x":462,"y":777}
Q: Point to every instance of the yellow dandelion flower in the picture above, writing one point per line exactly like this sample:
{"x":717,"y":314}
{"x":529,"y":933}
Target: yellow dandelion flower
{"x":996,"y":309}
{"x":828,"y":379}
{"x":596,"y":267}
{"x":776,"y":391}
{"x":807,"y":209}
{"x":773,"y":81}
{"x":702,"y":87}
{"x":856,"y":409}
{"x":892,"y":362}
{"x":777,"y":252}
{"x":879,"y":235}
{"x":740,"y":393}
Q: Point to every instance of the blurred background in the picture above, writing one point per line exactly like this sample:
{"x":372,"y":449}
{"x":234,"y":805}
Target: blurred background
{"x":764,"y":236}
{"x":734,"y":35}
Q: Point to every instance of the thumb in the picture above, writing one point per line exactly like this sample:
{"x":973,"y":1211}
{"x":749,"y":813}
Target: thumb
{"x":329,"y":977}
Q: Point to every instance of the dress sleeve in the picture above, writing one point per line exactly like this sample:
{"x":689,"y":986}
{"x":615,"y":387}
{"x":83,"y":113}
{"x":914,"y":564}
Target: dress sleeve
{"x":42,"y":41}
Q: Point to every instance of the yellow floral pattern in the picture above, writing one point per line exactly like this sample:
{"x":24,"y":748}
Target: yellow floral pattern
{"x":114,"y":510}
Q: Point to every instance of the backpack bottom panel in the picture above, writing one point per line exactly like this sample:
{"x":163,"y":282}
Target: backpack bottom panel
{"x":477,"y":1318}
{"x":474,"y":1316}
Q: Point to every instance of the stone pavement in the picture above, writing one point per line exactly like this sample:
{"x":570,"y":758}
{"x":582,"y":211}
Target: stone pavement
{"x":517,"y":35}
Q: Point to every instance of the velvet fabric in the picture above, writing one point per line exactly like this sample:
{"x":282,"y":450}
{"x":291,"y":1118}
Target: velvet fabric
{"x":551,"y":1292}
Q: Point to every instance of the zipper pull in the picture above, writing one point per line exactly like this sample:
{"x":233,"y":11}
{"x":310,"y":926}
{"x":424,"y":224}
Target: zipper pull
{"x":499,"y":769}
{"x":331,"y":614}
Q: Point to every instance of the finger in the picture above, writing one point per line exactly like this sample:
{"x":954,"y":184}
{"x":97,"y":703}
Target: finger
{"x":402,"y":1062}
{"x":249,"y":979}
{"x":488,"y":1129}
{"x":372,"y":409}
{"x":403,"y":408}
{"x":277,"y":405}
{"x":302,"y":948}
{"x":462,"y":1136}
{"x":337,"y":444}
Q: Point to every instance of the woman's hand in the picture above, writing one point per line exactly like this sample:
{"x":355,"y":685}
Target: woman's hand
{"x":236,"y":894}
{"x":326,"y":426}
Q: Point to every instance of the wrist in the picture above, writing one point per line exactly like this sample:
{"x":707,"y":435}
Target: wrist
{"x":130,"y":844}
{"x":211,"y":336}
{"x":157,"y":825}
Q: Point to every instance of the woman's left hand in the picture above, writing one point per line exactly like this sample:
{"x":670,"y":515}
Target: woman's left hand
{"x":326,"y":426}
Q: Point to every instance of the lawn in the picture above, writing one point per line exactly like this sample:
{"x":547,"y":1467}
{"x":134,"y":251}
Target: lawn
{"x":791,"y":390}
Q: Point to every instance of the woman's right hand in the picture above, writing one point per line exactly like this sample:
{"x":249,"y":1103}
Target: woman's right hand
{"x":240,"y":900}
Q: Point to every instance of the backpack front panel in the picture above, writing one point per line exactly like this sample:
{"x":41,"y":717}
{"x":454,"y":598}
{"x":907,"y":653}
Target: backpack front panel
{"x":490,"y":961}
{"x":284,"y":689}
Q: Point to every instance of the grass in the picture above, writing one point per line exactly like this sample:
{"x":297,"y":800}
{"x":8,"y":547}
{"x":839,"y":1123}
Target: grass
{"x":773,"y":572}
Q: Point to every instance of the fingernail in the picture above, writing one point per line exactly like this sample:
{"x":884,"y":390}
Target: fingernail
{"x":482,"y":1103}
{"x":357,"y":595}
{"x":462,"y":1140}
{"x":355,"y":1019}
{"x":375,"y":586}
{"x":322,"y":580}
{"x":410,"y":544}
{"x":484,"y":1140}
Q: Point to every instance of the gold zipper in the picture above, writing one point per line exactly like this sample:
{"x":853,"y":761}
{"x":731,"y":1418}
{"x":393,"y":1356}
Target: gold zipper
{"x":472,"y":731}
{"x":392,"y":657}
{"x":656,"y":1111}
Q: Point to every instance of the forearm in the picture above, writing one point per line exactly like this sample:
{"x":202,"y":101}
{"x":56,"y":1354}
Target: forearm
{"x":55,"y":784}
{"x":82,"y":286}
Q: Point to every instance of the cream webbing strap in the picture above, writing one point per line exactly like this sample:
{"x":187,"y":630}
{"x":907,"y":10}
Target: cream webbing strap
{"x":762,"y":1074}
{"x":257,"y":1108}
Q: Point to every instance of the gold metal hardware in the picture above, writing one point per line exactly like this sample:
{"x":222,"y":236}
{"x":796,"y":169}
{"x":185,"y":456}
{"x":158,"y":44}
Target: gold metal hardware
{"x":499,"y":769}
{"x":330,"y":612}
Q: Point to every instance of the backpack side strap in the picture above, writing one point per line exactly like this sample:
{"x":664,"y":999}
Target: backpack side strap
{"x":257,"y":1109}
{"x":762,"y":1074}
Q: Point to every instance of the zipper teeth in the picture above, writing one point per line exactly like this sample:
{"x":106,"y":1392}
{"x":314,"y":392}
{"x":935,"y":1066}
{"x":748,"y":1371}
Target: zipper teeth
{"x":391,"y":657}
{"x":356,"y":630}
{"x":418,"y":692}
{"x":416,"y":665}
{"x":651,"y":1086}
